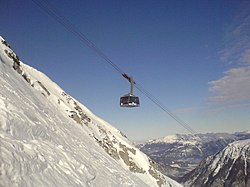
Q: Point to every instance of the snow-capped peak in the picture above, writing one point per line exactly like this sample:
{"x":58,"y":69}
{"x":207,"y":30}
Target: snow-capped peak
{"x":237,"y":148}
{"x":229,"y":167}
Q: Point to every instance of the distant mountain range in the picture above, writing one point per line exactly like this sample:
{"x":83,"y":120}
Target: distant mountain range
{"x":177,"y":155}
{"x":227,"y":168}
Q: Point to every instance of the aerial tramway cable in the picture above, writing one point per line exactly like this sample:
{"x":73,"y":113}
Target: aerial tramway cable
{"x":51,"y":10}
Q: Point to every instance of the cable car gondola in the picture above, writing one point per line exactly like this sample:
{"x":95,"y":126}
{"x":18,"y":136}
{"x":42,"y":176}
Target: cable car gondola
{"x":129,"y":100}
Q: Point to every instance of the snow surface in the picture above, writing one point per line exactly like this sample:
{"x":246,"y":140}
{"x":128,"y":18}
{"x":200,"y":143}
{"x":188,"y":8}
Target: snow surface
{"x":233,"y":151}
{"x":178,"y":138}
{"x":196,"y":138}
{"x":228,"y":167}
{"x":43,"y":145}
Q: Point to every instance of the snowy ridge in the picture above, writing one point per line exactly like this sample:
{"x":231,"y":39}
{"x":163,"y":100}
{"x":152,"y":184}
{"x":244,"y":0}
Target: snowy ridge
{"x":180,"y":138}
{"x":232,"y":152}
{"x":194,"y":139}
{"x":229,"y":167}
{"x":50,"y":139}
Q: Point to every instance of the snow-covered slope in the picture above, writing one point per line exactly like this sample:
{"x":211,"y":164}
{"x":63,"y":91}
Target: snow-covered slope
{"x":50,"y":139}
{"x":229,"y":167}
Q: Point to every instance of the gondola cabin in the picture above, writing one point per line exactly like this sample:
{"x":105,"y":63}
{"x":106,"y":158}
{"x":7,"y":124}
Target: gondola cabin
{"x":129,"y":101}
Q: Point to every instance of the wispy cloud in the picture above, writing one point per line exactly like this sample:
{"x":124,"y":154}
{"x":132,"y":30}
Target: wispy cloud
{"x":234,"y":86}
{"x":222,"y":108}
{"x":245,"y":57}
{"x":187,"y":110}
{"x":237,"y":42}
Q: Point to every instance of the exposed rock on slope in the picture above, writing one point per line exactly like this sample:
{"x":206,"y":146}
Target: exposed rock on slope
{"x":50,"y":139}
{"x":229,"y":167}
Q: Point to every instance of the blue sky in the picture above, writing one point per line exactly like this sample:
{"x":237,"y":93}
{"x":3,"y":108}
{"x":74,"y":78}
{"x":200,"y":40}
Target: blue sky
{"x":193,"y":56}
